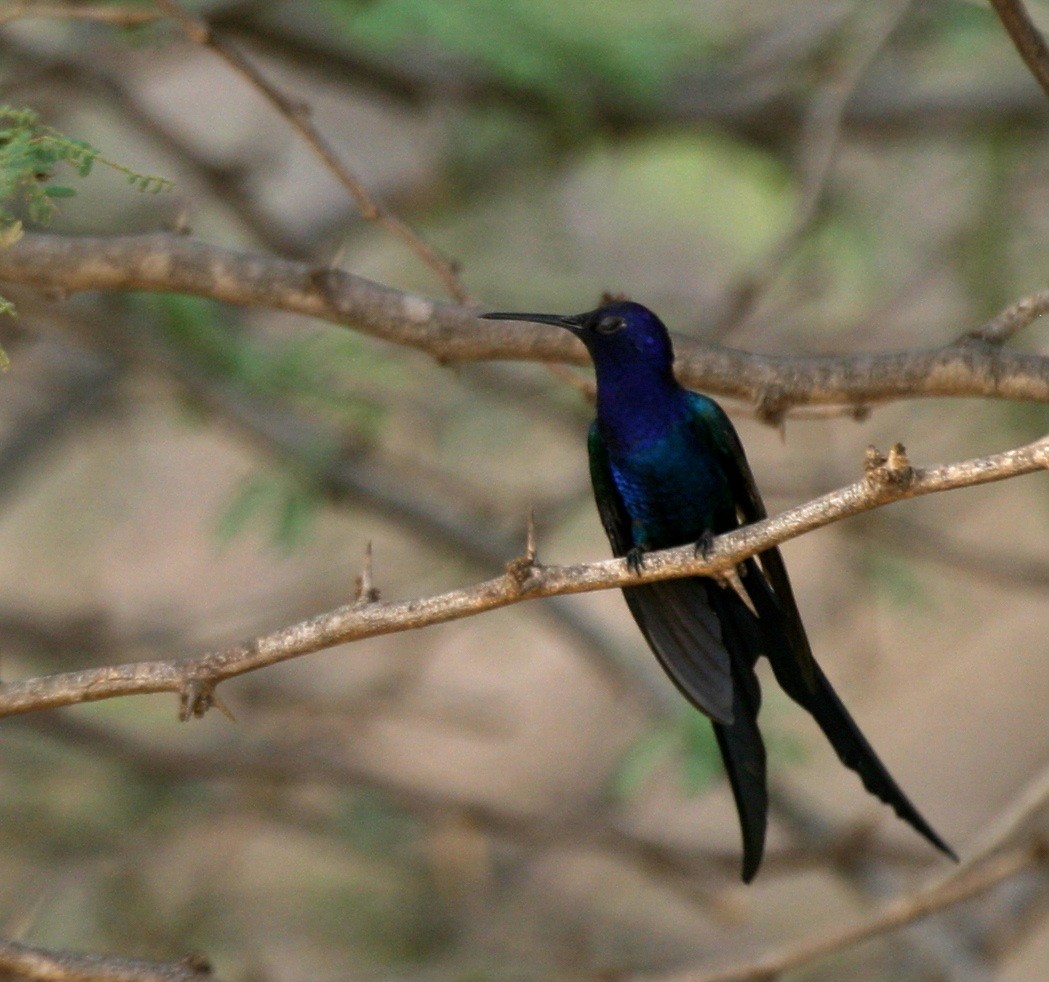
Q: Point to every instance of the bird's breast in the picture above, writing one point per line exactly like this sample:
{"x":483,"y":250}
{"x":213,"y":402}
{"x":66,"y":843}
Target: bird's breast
{"x":673,"y":489}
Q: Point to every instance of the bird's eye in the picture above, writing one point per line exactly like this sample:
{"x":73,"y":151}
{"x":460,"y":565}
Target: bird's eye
{"x":610,"y":325}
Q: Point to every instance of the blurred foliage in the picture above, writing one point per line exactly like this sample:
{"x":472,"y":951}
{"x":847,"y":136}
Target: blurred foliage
{"x":29,"y":153}
{"x":300,"y":368}
{"x":298,"y":371}
{"x":687,"y":742}
{"x":564,"y":54}
{"x":286,"y":503}
{"x":687,"y":739}
{"x":896,"y":580}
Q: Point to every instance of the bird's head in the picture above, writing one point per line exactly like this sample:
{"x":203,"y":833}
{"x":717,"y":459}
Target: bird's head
{"x":620,"y":336}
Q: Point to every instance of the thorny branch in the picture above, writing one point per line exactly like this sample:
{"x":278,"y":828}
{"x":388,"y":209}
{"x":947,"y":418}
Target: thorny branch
{"x":297,"y":115}
{"x":887,"y":479}
{"x":168,"y":263}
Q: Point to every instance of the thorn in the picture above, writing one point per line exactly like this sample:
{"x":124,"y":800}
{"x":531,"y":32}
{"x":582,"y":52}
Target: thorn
{"x":771,"y":406}
{"x":364,"y":587}
{"x":730,"y":578}
{"x":898,"y":462}
{"x":222,"y":707}
{"x":530,"y":547}
{"x":523,"y":568}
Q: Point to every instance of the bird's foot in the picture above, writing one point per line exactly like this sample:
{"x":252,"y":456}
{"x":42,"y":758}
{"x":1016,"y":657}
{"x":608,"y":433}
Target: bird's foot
{"x":704,"y":544}
{"x":635,"y":559}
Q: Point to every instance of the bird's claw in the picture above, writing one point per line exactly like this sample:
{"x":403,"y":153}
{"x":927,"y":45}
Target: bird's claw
{"x":635,"y":559}
{"x":704,"y":544}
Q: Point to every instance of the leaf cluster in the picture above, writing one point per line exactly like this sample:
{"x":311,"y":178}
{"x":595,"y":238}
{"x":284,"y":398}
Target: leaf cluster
{"x":30,"y":151}
{"x":29,"y":154}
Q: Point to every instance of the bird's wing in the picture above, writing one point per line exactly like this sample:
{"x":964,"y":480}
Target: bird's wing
{"x":782,"y":638}
{"x":718,"y":429}
{"x":675,"y":616}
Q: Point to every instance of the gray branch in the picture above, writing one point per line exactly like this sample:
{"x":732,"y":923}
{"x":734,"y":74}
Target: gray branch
{"x":166,"y":263}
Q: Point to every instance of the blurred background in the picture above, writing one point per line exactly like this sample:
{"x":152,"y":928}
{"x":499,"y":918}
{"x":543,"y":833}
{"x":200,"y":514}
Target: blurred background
{"x":522,"y":794}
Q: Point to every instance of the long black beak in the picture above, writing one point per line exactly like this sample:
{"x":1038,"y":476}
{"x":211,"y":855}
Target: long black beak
{"x":569,"y":323}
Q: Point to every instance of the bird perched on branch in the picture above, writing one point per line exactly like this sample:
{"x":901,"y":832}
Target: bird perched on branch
{"x":668,"y":469}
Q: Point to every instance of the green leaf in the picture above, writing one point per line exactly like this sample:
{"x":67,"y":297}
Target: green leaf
{"x":702,"y":761}
{"x":248,"y":500}
{"x":689,"y":737}
{"x":640,"y":760}
{"x":296,"y":518}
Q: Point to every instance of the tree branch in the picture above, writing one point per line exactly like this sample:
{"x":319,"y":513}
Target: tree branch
{"x":29,"y":962}
{"x":906,"y":910}
{"x":167,"y":263}
{"x":194,"y":679}
{"x":1027,"y":38}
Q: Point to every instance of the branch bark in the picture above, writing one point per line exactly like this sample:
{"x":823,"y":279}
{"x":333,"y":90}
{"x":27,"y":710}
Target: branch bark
{"x":28,"y":962}
{"x":166,"y":263}
{"x":194,"y":679}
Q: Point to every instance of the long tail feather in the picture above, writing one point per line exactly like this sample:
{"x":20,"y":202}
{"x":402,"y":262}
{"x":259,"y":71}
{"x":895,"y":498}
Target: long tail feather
{"x":812,"y":691}
{"x":742,"y":748}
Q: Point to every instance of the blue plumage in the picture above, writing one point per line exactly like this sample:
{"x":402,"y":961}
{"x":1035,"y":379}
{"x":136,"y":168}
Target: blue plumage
{"x":668,"y":469}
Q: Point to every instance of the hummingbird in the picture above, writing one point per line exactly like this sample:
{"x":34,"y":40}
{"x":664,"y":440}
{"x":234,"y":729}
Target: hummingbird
{"x":668,"y":469}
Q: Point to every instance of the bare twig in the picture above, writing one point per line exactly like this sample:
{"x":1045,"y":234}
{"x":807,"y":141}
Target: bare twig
{"x":906,"y":910}
{"x":103,"y":14}
{"x":439,"y":513}
{"x":819,"y":139}
{"x":194,"y":679}
{"x":297,"y":115}
{"x":28,"y":962}
{"x":1027,"y":38}
{"x":1014,"y":318}
{"x":168,"y":263}
{"x":1010,"y":823}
